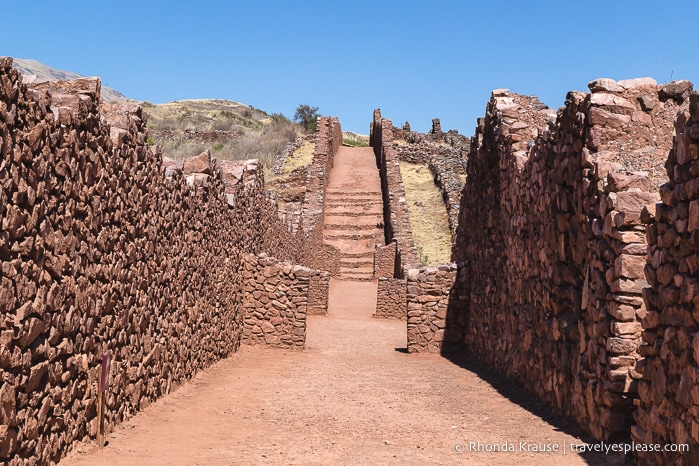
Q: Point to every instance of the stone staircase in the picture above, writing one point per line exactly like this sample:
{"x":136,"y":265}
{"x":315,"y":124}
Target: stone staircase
{"x":354,"y":212}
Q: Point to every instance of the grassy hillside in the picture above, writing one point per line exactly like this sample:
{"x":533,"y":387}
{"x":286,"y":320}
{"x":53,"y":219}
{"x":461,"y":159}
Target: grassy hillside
{"x":231,"y":130}
{"x":429,"y":220}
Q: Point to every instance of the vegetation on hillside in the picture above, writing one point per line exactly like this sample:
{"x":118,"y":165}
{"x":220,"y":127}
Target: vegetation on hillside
{"x":307,"y":116}
{"x":354,"y":139}
{"x":231,"y":130}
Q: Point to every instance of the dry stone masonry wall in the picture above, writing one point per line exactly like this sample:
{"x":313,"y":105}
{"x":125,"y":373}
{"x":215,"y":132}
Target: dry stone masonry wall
{"x":385,"y":260}
{"x":445,"y":155}
{"x":551,"y":247}
{"x":422,"y":301}
{"x":396,"y":220}
{"x":391,"y":300}
{"x":430,"y":295}
{"x":276,"y":300}
{"x":328,"y":140}
{"x":317,"y":253}
{"x":668,"y":408}
{"x":105,"y":247}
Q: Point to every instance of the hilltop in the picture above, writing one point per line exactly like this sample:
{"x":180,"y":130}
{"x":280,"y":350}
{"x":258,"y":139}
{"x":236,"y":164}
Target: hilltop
{"x":43,"y":72}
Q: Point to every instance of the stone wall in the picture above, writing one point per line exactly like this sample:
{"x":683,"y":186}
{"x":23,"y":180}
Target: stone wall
{"x":103,"y":247}
{"x":396,"y":220}
{"x":289,"y":149}
{"x":316,"y":253}
{"x":668,"y":408}
{"x":276,"y":300}
{"x":551,"y":248}
{"x":328,"y":141}
{"x":391,"y":301}
{"x":385,"y":260}
{"x":318,"y":292}
{"x":430,"y":294}
{"x":450,"y":185}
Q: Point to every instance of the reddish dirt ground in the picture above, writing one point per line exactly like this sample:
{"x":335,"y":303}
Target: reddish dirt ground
{"x":352,"y":397}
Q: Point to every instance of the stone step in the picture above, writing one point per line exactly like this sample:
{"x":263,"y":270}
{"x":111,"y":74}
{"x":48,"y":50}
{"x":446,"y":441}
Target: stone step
{"x":355,"y":236}
{"x":354,"y":214}
{"x":346,"y":220}
{"x":351,"y":226}
{"x":356,"y":277}
{"x":358,"y":255}
{"x":345,"y":212}
{"x":354,"y":205}
{"x":359,"y":264}
{"x":353,"y":200}
{"x":353,"y":248}
{"x":340,"y":192}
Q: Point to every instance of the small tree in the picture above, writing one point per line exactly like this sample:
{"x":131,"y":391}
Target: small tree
{"x":307,"y":116}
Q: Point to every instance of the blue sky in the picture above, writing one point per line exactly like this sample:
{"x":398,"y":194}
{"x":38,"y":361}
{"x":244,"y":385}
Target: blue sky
{"x":414,"y":60}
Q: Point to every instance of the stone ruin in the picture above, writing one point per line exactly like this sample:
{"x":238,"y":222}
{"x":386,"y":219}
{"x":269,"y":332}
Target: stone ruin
{"x":574,"y":268}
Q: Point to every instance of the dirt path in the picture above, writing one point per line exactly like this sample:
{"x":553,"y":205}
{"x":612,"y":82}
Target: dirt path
{"x":353,"y":397}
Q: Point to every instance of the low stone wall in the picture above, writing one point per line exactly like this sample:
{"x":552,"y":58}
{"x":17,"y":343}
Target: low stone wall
{"x":289,"y":149}
{"x":668,"y":408}
{"x":450,"y":185}
{"x":385,"y":260}
{"x":430,"y":293}
{"x":422,"y":151}
{"x":391,"y":300}
{"x":276,"y":300}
